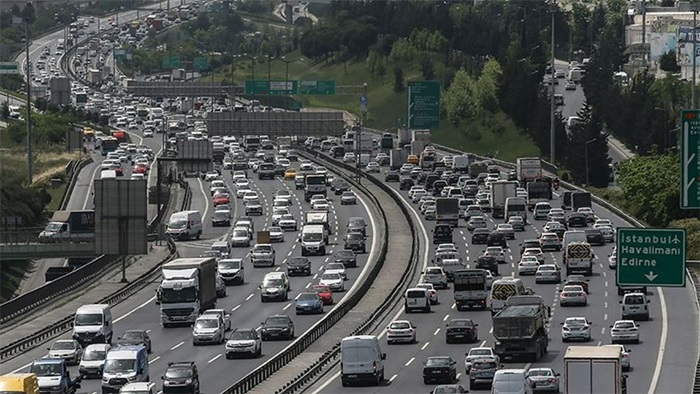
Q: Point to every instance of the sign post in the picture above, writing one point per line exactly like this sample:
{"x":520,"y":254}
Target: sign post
{"x":651,"y":257}
{"x":423,"y":104}
{"x":690,"y":159}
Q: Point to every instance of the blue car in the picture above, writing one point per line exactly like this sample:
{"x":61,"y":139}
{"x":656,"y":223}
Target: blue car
{"x":309,"y":303}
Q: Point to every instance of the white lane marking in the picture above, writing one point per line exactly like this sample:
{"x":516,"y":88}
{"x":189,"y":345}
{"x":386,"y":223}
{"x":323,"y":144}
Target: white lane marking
{"x":446,"y":317}
{"x":605,"y":317}
{"x":307,"y":285}
{"x":236,"y":307}
{"x":154,"y":360}
{"x":425,"y":346}
{"x":410,"y":361}
{"x":150,"y":300}
{"x":287,"y":306}
{"x":605,"y":304}
{"x":602,"y":330}
{"x":249,"y":297}
{"x":436,"y":331}
{"x":483,"y":343}
{"x":88,"y":195}
{"x":178,"y":345}
{"x":662,"y":342}
{"x":213,"y":359}
{"x":206,"y":198}
{"x":393,"y":377}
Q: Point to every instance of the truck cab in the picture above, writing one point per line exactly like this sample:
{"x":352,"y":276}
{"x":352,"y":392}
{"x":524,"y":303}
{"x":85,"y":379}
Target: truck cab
{"x":262,"y":255}
{"x":53,"y":376}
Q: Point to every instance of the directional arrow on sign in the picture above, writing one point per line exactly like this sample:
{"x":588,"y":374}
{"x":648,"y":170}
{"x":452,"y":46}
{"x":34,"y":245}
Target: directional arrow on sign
{"x":651,"y":276}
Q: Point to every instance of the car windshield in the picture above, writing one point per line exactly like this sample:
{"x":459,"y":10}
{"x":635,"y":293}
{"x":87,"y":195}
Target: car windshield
{"x":53,"y":369}
{"x":276,"y":282}
{"x":433,"y":271}
{"x":575,"y":322}
{"x":307,"y":297}
{"x":132,"y":335}
{"x":460,"y":323}
{"x":400,"y":325}
{"x":263,"y":249}
{"x":94,"y":355}
{"x":624,"y":325}
{"x":63,"y":345}
{"x":480,"y":352}
{"x":120,"y":365}
{"x":485,"y":365}
{"x":206,"y":323}
{"x":634,"y":299}
{"x":354,"y":236}
{"x":229,"y":264}
{"x":242,"y":335}
{"x":88,"y":319}
{"x":276,"y":321}
{"x":240,"y":233}
{"x":331,"y":276}
{"x":345,"y":253}
{"x":178,"y":373}
{"x":335,"y":266}
{"x":297,"y":261}
{"x":437,"y":362}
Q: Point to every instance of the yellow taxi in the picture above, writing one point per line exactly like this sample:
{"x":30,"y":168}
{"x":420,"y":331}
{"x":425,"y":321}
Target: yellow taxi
{"x":290,"y":174}
{"x":412,"y":159}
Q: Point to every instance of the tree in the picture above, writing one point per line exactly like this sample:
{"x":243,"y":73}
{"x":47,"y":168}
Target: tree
{"x":398,"y":79}
{"x":668,"y":63}
{"x":4,"y":110}
{"x":591,"y":153}
{"x":459,"y":100}
{"x":487,"y":86}
{"x":427,"y":68}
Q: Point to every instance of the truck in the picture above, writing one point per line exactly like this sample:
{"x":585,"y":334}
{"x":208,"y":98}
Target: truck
{"x":594,"y":369}
{"x":470,"y":288}
{"x":218,"y":152}
{"x":580,"y":200}
{"x":420,"y":135}
{"x":94,"y":76}
{"x":397,"y":158}
{"x":404,"y":137}
{"x":314,"y":184}
{"x":578,"y":257}
{"x":362,"y":142}
{"x":538,"y":191}
{"x":25,"y":383}
{"x":447,"y":211}
{"x":519,"y":328}
{"x":387,"y":142}
{"x":417,"y":147}
{"x":476,"y":168}
{"x":319,"y":217}
{"x":500,"y":191}
{"x":528,"y":169}
{"x":460,"y":164}
{"x":53,"y":376}
{"x":69,"y":226}
{"x":566,"y":200}
{"x":188,"y":288}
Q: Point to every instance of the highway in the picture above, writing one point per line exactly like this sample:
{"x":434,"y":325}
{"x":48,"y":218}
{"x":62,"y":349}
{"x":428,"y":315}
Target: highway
{"x":175,"y":344}
{"x":655,"y":361}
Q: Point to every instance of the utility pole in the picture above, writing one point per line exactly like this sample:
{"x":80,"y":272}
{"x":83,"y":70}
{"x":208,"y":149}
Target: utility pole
{"x":287,"y":88}
{"x":30,"y":169}
{"x":552,"y":126}
{"x":269,"y":77}
{"x":695,"y":54}
{"x":358,"y":135}
{"x":644,"y":35}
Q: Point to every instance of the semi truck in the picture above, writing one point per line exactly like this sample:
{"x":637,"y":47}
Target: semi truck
{"x":417,"y":147}
{"x":447,"y":211}
{"x":420,"y":135}
{"x":362,"y":142}
{"x":188,"y":288}
{"x":500,"y":191}
{"x":594,"y":369}
{"x":519,"y":328}
{"x":319,"y":217}
{"x":470,"y":288}
{"x":69,"y":226}
{"x":528,"y":169}
{"x":314,"y":184}
{"x":397,"y":158}
{"x":387,"y":142}
{"x":580,"y":200}
{"x":538,"y":191}
{"x":578,"y":257}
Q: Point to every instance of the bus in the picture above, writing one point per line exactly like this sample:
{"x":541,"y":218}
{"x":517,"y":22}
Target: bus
{"x":108,"y":144}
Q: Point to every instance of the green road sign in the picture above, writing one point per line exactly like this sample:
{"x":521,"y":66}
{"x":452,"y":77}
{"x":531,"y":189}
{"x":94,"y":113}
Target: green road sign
{"x":690,"y":159}
{"x":274,"y":88}
{"x":320,"y":87}
{"x":9,"y":68}
{"x":120,"y":54}
{"x":171,"y":61}
{"x":423,"y":104}
{"x":651,"y":257}
{"x":200,"y":63}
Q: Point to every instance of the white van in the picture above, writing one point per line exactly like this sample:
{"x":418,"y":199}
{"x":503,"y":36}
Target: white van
{"x":511,"y":381}
{"x":504,"y":288}
{"x":573,"y":236}
{"x":110,"y":174}
{"x":541,"y":210}
{"x":364,"y":159}
{"x":139,"y":388}
{"x":185,"y":225}
{"x":124,"y":364}
{"x":361,"y":360}
{"x":634,"y":306}
{"x":93,"y":324}
{"x":312,"y":240}
{"x":417,"y":299}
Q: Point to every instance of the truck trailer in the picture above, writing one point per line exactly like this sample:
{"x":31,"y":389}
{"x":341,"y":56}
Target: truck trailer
{"x":594,"y":369}
{"x":519,"y":328}
{"x":528,"y":169}
{"x":500,"y":191}
{"x":580,"y":200}
{"x":447,"y":211}
{"x":69,"y":226}
{"x":470,"y":288}
{"x":188,"y":288}
{"x":397,"y":158}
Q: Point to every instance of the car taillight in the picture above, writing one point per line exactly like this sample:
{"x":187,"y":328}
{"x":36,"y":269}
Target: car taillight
{"x":551,"y":380}
{"x":625,"y":355}
{"x":374,"y":365}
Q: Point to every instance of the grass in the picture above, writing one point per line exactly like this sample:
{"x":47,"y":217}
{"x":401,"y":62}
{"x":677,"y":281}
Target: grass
{"x":489,"y":134}
{"x":48,"y":163}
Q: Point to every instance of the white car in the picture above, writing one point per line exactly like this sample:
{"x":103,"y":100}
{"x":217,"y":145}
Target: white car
{"x":433,"y":293}
{"x":216,"y":184}
{"x":333,"y":280}
{"x":148,"y":133}
{"x":477,"y":353}
{"x":435,"y":276}
{"x":603,"y":222}
{"x":320,"y":205}
{"x":93,"y":359}
{"x":67,"y":349}
{"x":528,"y":265}
{"x":555,"y":212}
{"x":418,"y":195}
{"x":624,"y":331}
{"x":240,"y":182}
{"x":238,"y":175}
{"x":276,"y":234}
{"x":625,"y":356}
{"x":221,"y":314}
{"x":415,"y":189}
{"x":373,"y":166}
{"x":549,"y":273}
{"x":244,"y":341}
{"x":507,"y":230}
{"x":288,"y":223}
{"x":590,"y":215}
{"x":277,"y":213}
{"x":337,"y":268}
{"x":400,"y":331}
{"x":497,"y":253}
{"x":284,"y":194}
{"x":242,"y":190}
{"x":573,"y":295}
{"x":575,"y":328}
{"x":543,"y":379}
{"x":612,"y":261}
{"x":537,"y":252}
{"x":250,"y":195}
{"x":240,"y":237}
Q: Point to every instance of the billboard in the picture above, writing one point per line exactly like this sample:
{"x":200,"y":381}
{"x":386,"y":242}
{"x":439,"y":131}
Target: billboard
{"x":120,"y":216}
{"x":276,"y":123}
{"x":193,"y":149}
{"x":60,"y":91}
{"x":661,"y":43}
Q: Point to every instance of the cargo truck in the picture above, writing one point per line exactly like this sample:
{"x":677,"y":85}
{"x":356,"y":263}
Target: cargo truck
{"x":321,"y":218}
{"x":218,"y":152}
{"x":566,"y":200}
{"x":578,"y":257}
{"x":519,"y":328}
{"x":476,"y":168}
{"x":188,"y":288}
{"x":314,"y":184}
{"x":528,"y":169}
{"x":387,"y":142}
{"x":53,"y":376}
{"x":594,"y":369}
{"x":362,"y":142}
{"x":417,"y":147}
{"x":470,"y":288}
{"x":500,"y":191}
{"x":447,"y":211}
{"x":460,"y":164}
{"x":404,"y":137}
{"x":421,"y":135}
{"x":538,"y":191}
{"x":397,"y":158}
{"x":69,"y":226}
{"x":580,"y":200}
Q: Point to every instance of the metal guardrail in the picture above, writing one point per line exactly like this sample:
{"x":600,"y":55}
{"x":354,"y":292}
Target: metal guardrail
{"x":74,"y":174}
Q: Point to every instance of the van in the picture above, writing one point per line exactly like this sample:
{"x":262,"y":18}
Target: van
{"x":185,"y":225}
{"x":634,"y":306}
{"x":93,"y":324}
{"x":25,"y":383}
{"x":573,"y":236}
{"x":312,"y":240}
{"x":275,"y":286}
{"x":124,"y":364}
{"x":541,"y":210}
{"x":417,"y":299}
{"x":221,"y":246}
{"x":139,"y":388}
{"x":361,"y":360}
{"x":110,"y":174}
{"x":93,"y":360}
{"x":510,"y":381}
{"x":364,"y":159}
{"x":504,"y":288}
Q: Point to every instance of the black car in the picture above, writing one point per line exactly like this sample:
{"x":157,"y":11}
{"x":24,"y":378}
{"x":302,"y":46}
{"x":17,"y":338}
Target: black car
{"x":337,"y":151}
{"x":341,"y":187}
{"x":461,"y":330}
{"x":298,"y":266}
{"x":391,"y":176}
{"x":529,"y":243}
{"x":577,"y":220}
{"x":488,"y":263}
{"x":622,"y":290}
{"x":356,"y":242}
{"x":221,"y":218}
{"x":347,"y":257}
{"x":430,"y":181}
{"x":181,"y":377}
{"x":135,"y":337}
{"x":280,"y":170}
{"x":277,"y":327}
{"x":357,"y":224}
{"x":579,"y":280}
{"x":438,"y":186}
{"x":442,"y":234}
{"x":406,"y":183}
{"x":480,"y":236}
{"x":439,"y":369}
{"x":512,"y":175}
{"x":496,"y":239}
{"x":594,"y":237}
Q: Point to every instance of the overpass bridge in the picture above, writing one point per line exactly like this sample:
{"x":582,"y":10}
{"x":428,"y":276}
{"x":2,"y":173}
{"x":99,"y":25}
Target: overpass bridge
{"x":23,"y":251}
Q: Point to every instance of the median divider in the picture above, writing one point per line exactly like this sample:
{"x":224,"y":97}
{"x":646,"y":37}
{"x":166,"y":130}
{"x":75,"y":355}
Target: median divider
{"x":74,"y":174}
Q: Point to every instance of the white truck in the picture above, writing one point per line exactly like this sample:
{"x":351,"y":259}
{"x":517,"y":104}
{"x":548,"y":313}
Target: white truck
{"x":470,"y":288}
{"x":528,"y":169}
{"x":500,"y":191}
{"x":362,"y":142}
{"x":460,"y":164}
{"x":578,"y":257}
{"x":404,"y":136}
{"x":594,"y":369}
{"x":320,"y":218}
{"x":447,"y":211}
{"x":421,"y":135}
{"x":188,"y":288}
{"x":397,"y":158}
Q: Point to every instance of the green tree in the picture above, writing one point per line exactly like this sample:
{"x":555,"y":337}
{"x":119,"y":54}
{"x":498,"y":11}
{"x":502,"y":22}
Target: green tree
{"x":487,"y":86}
{"x":398,"y":79}
{"x":5,"y":110}
{"x":592,"y":154}
{"x":427,"y":69}
{"x":667,"y":62}
{"x":459,"y":100}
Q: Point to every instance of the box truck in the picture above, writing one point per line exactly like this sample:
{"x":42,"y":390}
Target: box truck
{"x":594,"y":369}
{"x":188,"y":288}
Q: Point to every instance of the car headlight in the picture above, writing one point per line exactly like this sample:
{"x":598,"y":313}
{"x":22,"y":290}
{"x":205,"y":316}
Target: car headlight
{"x":166,"y":383}
{"x":188,"y":381}
{"x":55,"y":387}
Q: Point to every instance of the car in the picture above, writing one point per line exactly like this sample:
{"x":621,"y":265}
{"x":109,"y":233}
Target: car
{"x":93,"y":359}
{"x":517,"y":222}
{"x":559,"y":74}
{"x":298,"y":265}
{"x":348,"y":157}
{"x":277,"y":213}
{"x":576,"y":220}
{"x":594,"y":236}
{"x":308,"y":302}
{"x":66,"y":349}
{"x":625,"y":356}
{"x":320,"y":205}
{"x":550,"y":241}
{"x":336,"y":267}
{"x":497,"y":253}
{"x":608,"y":232}
{"x":287,"y":222}
{"x":224,"y":316}
{"x":355,"y":241}
{"x":548,"y":273}
{"x":181,"y":377}
{"x":406,"y":183}
{"x":536,"y":252}
{"x":612,"y":261}
{"x":276,"y":234}
{"x":244,"y":341}
{"x":208,"y":329}
{"x":373,"y":166}
{"x":543,"y":379}
{"x":285,"y":195}
{"x":391,"y":176}
{"x":449,"y":389}
{"x":346,"y":257}
{"x":496,"y":239}
{"x":461,"y":330}
{"x":588,"y":212}
{"x":400,"y":331}
{"x":240,"y":237}
{"x":277,"y":327}
{"x":433,"y":293}
{"x":290,"y":174}
{"x":477,"y":353}
{"x":552,"y":226}
{"x":238,"y":175}
{"x":435,"y":276}
{"x":624,"y":331}
{"x":211,"y":176}
{"x":573,"y":295}
{"x":439,"y":369}
{"x":135,"y":337}
{"x":578,"y":328}
{"x":221,"y":218}
{"x":348,"y":198}
{"x":476,"y":222}
{"x":148,"y":133}
{"x":603,"y":222}
{"x":333,"y":280}
{"x":488,"y":263}
{"x":480,"y":236}
{"x":528,"y":265}
{"x":325,"y":293}
{"x":570,"y":85}
{"x":577,"y":280}
{"x":506,"y":229}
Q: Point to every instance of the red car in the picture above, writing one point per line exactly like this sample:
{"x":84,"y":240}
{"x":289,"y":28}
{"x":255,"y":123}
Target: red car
{"x":325,"y":293}
{"x":221,"y":199}
{"x":118,"y":170}
{"x":140,"y":169}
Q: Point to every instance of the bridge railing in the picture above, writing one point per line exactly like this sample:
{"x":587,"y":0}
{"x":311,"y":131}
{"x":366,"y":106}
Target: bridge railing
{"x":20,"y":235}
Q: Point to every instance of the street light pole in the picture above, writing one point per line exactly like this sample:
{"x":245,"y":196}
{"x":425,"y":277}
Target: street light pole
{"x":269,"y":77}
{"x":252,"y":62}
{"x":586,"y":154}
{"x":30,"y":169}
{"x":287,"y":89}
{"x":552,"y":126}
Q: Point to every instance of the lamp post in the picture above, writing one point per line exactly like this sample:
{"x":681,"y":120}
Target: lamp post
{"x":552,"y":126}
{"x":252,"y":62}
{"x":269,"y":76}
{"x":28,"y":65}
{"x":287,"y":89}
{"x":586,"y":153}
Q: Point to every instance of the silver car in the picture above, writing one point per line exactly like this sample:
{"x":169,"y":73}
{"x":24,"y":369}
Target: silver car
{"x":208,"y":329}
{"x":575,"y":328}
{"x":543,"y":380}
{"x":348,"y":198}
{"x":67,"y":349}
